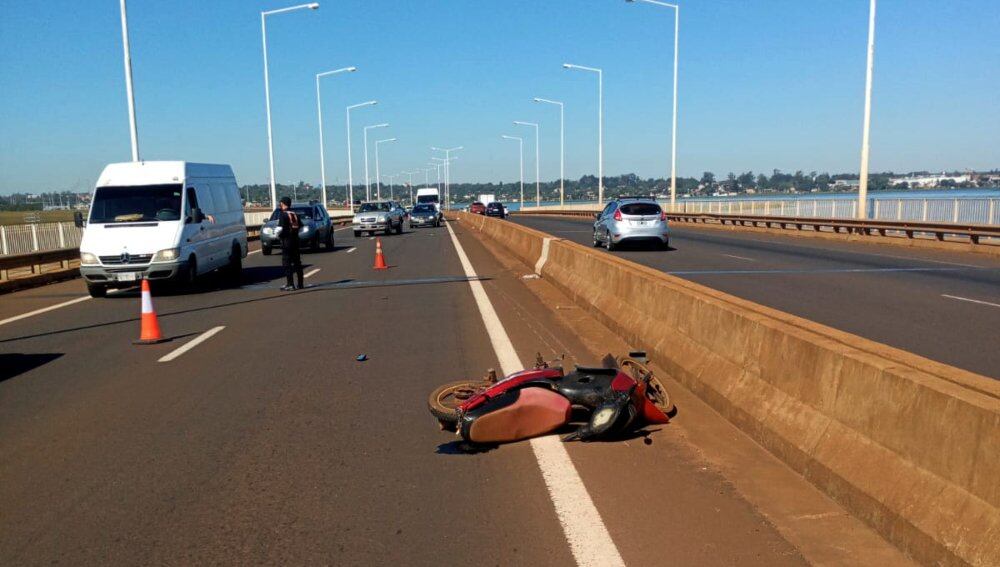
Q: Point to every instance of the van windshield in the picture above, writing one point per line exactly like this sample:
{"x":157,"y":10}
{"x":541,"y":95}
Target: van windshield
{"x":427,"y":198}
{"x":141,"y":203}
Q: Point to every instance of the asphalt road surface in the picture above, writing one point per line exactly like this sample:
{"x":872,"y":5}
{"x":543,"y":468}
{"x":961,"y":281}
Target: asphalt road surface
{"x":267,"y":442}
{"x":941,"y":305}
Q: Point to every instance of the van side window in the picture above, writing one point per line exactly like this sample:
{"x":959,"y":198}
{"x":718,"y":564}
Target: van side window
{"x":219,"y":198}
{"x":205,"y":198}
{"x":192,"y":202}
{"x":233,"y":196}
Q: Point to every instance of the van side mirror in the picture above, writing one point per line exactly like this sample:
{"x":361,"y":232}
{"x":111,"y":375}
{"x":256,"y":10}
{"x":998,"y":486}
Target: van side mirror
{"x":597,"y":215}
{"x":78,"y":219}
{"x":197,"y":216}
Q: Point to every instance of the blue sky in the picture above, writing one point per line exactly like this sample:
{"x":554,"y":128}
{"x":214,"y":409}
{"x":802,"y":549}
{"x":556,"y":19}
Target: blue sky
{"x":763,"y":84}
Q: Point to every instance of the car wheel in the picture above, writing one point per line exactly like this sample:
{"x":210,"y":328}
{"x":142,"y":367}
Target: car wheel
{"x":235,"y":268}
{"x":265,"y":250}
{"x":97,"y":290}
{"x":329,"y":240}
{"x":665,"y":245}
{"x":357,"y":234}
{"x":399,"y":227}
{"x":610,"y":244}
{"x":191,"y":275}
{"x":597,"y":241}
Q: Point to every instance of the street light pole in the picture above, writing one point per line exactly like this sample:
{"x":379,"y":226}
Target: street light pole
{"x":447,"y":172}
{"x":520,"y":145}
{"x":538,"y":190}
{"x":350,"y":166}
{"x":673,"y":134}
{"x":378,"y":174}
{"x":562,"y":149}
{"x":863,"y":178}
{"x":267,"y":88}
{"x":600,"y":126}
{"x":368,"y":188}
{"x":133,"y":129}
{"x":319,"y":114}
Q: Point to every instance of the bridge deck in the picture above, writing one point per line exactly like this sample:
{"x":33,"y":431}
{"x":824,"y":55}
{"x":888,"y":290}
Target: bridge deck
{"x":268,"y":442}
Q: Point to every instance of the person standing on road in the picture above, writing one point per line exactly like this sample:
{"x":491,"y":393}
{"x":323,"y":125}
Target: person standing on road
{"x":291,"y":259}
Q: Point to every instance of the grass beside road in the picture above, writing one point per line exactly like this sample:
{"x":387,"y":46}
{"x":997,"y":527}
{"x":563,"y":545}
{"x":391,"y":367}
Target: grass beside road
{"x":18,"y":217}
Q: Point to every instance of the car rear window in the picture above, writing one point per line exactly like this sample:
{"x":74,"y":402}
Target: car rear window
{"x":640,"y":209}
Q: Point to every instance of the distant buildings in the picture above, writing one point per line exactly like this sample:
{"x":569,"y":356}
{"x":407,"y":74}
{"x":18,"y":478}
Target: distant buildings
{"x":930,"y":180}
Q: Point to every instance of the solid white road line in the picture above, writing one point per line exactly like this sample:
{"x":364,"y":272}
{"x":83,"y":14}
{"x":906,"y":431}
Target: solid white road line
{"x":962,"y":299}
{"x":192,"y":343}
{"x":44,"y":310}
{"x":351,"y":249}
{"x":739,"y":257}
{"x":585,"y":531}
{"x":312,"y":272}
{"x":250,"y":253}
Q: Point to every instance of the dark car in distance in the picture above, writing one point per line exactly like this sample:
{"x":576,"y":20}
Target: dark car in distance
{"x":424,"y":215}
{"x":316,"y":228}
{"x":495,"y":209}
{"x":477,"y":208}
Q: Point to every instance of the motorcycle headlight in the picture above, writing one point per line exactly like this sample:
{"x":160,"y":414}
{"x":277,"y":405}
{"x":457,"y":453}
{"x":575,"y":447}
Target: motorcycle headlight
{"x":88,"y":259}
{"x":602,"y":417}
{"x":167,"y":255}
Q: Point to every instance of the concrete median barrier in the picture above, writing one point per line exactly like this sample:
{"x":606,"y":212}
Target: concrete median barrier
{"x":909,"y":445}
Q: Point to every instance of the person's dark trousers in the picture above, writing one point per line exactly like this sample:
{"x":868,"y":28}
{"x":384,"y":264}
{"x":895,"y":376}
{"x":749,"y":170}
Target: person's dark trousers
{"x":291,"y":260}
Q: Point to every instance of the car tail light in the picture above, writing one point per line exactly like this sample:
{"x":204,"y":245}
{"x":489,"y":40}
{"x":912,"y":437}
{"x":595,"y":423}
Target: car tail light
{"x":663,"y":215}
{"x":618,"y":215}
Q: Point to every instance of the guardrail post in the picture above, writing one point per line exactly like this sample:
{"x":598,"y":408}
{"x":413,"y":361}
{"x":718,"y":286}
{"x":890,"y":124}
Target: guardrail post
{"x":3,"y":239}
{"x":923,"y":216}
{"x":815,"y":208}
{"x":899,"y":209}
{"x":877,"y":203}
{"x":62,"y":237}
{"x":989,"y":215}
{"x":34,"y":237}
{"x":954,"y":211}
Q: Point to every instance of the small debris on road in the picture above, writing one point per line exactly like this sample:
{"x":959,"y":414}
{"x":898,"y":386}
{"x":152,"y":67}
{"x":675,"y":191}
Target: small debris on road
{"x":362,"y":357}
{"x":530,"y":277}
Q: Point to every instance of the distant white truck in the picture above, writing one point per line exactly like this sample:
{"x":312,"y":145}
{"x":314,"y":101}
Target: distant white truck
{"x":430,"y":196}
{"x":487,"y":198}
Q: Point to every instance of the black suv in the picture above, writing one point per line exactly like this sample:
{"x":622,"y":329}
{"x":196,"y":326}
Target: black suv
{"x":316,"y":228}
{"x":495,"y":209}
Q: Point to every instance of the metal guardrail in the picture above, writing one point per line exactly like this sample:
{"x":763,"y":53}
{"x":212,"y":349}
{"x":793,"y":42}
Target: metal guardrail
{"x":879,"y":227}
{"x":26,"y":238}
{"x":25,"y":267}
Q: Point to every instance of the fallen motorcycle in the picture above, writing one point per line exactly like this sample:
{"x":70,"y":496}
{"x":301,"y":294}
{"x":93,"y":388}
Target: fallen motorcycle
{"x":620,"y":397}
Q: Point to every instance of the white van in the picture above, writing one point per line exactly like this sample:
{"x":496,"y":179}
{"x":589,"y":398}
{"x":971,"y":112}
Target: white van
{"x":430,"y":196}
{"x":162,"y":220}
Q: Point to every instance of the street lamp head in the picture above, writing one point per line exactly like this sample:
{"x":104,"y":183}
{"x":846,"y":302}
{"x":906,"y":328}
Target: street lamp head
{"x":314,"y":6}
{"x":567,"y":66}
{"x":351,"y":69}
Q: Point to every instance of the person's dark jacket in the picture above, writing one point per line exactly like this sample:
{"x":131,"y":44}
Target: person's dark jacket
{"x":287,"y":234}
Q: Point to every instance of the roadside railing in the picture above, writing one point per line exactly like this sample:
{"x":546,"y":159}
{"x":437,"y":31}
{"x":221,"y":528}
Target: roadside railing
{"x":965,"y":210}
{"x":38,"y":237}
{"x":940,"y":231}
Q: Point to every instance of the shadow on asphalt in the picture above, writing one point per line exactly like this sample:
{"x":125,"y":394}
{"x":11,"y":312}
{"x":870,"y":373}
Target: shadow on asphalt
{"x":12,"y":365}
{"x":312,"y":288}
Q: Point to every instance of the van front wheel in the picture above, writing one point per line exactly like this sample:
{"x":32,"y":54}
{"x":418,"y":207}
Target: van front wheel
{"x":97,"y":290}
{"x":191,"y":274}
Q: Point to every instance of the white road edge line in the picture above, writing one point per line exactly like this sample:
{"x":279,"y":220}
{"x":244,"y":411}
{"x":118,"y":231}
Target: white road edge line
{"x":252,"y":252}
{"x":588,"y":537}
{"x":312,"y":272}
{"x":191,"y":344}
{"x":954,"y":297}
{"x":739,"y":257}
{"x":44,"y":310}
{"x":351,"y":249}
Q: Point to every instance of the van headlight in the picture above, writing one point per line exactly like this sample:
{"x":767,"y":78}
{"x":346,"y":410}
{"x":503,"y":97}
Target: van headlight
{"x":88,"y":259}
{"x":305,"y":229}
{"x":168,"y":255}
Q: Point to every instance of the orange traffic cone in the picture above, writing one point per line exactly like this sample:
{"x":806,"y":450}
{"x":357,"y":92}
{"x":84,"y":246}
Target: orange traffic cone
{"x":150,"y":330}
{"x":379,"y":257}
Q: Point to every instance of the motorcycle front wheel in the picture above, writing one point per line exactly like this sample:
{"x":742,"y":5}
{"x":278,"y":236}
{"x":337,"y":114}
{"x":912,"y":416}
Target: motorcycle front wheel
{"x":655,"y":390}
